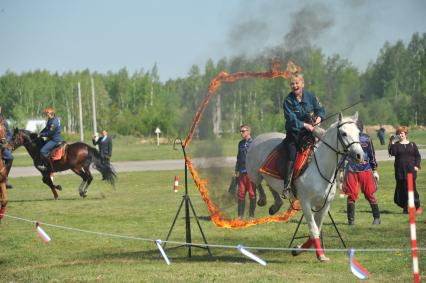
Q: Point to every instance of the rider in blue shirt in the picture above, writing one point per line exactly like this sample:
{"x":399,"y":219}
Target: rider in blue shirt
{"x":7,"y":153}
{"x":52,"y":133}
{"x":302,"y":111}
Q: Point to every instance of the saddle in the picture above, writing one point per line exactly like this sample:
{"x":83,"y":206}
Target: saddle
{"x":58,"y":151}
{"x":270,"y":166}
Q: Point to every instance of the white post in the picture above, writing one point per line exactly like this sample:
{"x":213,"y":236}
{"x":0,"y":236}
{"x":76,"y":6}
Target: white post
{"x":158,"y":131}
{"x":94,"y":107}
{"x":81,"y":113}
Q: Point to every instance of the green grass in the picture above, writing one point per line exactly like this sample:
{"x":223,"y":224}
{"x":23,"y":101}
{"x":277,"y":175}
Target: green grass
{"x":144,"y":205}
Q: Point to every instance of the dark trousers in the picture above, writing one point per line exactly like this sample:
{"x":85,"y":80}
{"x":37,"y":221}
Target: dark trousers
{"x":106,"y":160}
{"x":288,"y":150}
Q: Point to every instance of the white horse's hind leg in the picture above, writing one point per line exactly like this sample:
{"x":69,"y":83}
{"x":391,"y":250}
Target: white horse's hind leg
{"x":277,"y":202}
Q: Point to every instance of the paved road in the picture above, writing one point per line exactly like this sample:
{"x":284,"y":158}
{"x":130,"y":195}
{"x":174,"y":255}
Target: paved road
{"x":164,"y":165}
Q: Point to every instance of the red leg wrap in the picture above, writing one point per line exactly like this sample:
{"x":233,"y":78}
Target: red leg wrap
{"x":318,"y":247}
{"x":307,"y":244}
{"x":2,"y":212}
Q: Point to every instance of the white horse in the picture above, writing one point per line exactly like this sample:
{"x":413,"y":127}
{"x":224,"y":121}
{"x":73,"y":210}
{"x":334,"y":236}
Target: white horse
{"x":315,"y":187}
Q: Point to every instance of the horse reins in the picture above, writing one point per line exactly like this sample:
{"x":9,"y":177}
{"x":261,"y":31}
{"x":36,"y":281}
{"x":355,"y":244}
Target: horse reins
{"x":344,"y":155}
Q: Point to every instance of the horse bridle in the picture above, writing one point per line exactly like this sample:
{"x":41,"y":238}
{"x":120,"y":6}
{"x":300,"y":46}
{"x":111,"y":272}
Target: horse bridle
{"x":25,"y":139}
{"x":340,"y":163}
{"x":340,"y":139}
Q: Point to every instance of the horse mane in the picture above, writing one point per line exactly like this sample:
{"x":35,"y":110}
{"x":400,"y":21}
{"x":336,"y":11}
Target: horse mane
{"x":32,"y":136}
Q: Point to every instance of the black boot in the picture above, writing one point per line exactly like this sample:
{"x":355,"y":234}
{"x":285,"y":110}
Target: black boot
{"x":241,"y":204}
{"x":8,"y":164}
{"x":288,"y":173}
{"x":45,"y":165}
{"x":351,"y":213}
{"x":376,"y":214}
{"x":252,"y":207}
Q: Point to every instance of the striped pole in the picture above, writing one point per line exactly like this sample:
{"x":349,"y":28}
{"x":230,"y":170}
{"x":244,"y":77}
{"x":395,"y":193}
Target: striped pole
{"x":413,"y":228}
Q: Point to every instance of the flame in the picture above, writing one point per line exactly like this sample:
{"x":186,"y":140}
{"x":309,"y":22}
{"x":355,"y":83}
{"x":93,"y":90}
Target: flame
{"x":291,"y":70}
{"x":215,"y":212}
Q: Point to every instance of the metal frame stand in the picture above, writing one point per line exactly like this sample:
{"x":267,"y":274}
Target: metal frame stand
{"x":187,"y":200}
{"x":321,"y":235}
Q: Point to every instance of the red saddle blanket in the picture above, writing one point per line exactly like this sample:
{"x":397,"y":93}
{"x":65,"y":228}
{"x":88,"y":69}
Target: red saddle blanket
{"x":58,"y":152}
{"x":270,"y":166}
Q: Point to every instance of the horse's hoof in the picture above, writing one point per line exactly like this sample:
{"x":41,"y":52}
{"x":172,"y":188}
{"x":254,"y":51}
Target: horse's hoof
{"x":296,"y":250}
{"x":323,"y":258}
{"x":58,"y":188}
{"x":273,"y":209}
{"x":261,"y":201}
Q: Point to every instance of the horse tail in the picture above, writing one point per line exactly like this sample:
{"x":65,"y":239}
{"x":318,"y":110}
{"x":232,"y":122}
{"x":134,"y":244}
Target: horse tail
{"x":108,"y":173}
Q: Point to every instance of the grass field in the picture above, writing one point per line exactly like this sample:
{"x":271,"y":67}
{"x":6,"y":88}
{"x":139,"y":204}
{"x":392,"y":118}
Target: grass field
{"x":144,"y":205}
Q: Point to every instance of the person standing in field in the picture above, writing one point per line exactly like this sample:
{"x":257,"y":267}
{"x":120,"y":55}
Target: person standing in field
{"x":105,"y":146}
{"x":244,"y":183}
{"x":364,"y":176}
{"x":381,"y":134}
{"x":407,"y":160}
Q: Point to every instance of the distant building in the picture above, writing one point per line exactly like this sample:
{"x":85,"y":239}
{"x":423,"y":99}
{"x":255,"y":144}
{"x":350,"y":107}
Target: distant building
{"x":35,"y":125}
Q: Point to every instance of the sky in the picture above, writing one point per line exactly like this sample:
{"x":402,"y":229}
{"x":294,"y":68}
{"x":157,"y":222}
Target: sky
{"x":108,"y":35}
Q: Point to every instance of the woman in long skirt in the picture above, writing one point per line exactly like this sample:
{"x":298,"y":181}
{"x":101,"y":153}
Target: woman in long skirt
{"x":407,"y":160}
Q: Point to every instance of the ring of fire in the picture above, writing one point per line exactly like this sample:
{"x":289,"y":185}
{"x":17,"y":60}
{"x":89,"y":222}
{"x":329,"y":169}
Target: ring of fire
{"x":215,"y":212}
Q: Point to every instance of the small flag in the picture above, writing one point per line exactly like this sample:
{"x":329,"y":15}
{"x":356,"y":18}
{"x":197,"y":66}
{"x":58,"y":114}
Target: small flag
{"x":176,"y":184}
{"x":163,"y":253}
{"x":43,"y":235}
{"x":250,"y":255}
{"x":357,"y":269}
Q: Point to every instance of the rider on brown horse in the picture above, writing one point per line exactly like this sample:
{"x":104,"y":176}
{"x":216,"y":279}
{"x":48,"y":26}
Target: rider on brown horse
{"x":52,"y":132}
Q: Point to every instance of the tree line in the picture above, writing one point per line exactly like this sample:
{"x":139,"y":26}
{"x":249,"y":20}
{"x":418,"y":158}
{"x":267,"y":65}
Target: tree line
{"x":392,"y":90}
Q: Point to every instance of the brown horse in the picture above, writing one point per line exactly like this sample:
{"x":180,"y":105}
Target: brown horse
{"x":3,"y":171}
{"x":77,"y":157}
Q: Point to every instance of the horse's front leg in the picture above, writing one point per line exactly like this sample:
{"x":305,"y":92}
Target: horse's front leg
{"x":49,"y":181}
{"x":3,"y":199}
{"x":314,"y":233}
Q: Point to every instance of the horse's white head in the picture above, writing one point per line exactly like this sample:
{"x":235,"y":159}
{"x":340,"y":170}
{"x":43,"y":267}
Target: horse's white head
{"x":348,"y":137}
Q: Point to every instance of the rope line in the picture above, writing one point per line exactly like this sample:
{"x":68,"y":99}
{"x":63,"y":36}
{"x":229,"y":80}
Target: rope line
{"x":206,"y":245}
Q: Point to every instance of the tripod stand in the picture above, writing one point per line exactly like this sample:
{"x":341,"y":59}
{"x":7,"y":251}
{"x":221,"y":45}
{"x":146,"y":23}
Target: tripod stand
{"x":321,"y":236}
{"x":188,"y":204}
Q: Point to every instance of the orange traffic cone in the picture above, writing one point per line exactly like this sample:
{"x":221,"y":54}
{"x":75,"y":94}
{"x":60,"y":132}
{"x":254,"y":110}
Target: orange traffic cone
{"x":176,"y":184}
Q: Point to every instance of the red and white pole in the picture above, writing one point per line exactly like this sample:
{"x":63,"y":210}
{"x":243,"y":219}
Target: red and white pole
{"x":176,"y":184}
{"x":413,"y":227}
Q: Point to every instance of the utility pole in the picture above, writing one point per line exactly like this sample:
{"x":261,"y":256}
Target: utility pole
{"x":81,"y":113}
{"x":94,"y":107}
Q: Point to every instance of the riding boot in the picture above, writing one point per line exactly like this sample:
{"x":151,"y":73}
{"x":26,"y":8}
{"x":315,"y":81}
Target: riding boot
{"x":46,"y":165}
{"x":8,"y":164}
{"x":351,"y":213}
{"x":252,"y":207}
{"x":241,"y":204}
{"x":288,"y":173}
{"x":376,"y":213}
